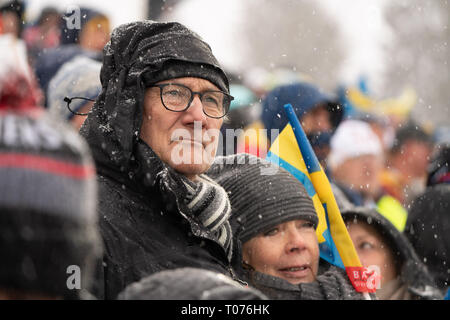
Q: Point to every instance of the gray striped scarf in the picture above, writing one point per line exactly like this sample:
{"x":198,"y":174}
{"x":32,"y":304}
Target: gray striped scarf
{"x":209,"y":203}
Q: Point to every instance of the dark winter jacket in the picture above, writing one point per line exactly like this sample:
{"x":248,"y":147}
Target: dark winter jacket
{"x":145,"y":224}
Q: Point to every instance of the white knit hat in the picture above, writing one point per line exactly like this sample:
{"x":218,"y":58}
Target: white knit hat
{"x":353,"y":138}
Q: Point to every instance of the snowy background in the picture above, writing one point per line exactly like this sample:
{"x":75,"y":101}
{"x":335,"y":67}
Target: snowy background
{"x":394,"y":44}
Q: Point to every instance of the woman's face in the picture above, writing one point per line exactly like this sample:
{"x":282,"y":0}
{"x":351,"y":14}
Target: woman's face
{"x":372,"y":249}
{"x":289,"y":250}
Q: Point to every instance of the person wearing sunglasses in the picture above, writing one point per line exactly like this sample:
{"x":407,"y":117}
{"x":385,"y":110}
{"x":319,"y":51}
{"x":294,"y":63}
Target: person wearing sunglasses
{"x":153,"y":131}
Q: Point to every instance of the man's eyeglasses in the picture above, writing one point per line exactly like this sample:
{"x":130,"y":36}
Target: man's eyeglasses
{"x":177,"y":97}
{"x":69,"y":101}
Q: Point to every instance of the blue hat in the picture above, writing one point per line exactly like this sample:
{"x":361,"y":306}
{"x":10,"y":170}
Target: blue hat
{"x":303,"y":97}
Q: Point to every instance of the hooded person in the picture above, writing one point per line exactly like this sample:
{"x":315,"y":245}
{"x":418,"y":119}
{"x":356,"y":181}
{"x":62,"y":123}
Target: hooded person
{"x":156,"y":212}
{"x":49,"y":238}
{"x":379,"y":243}
{"x":273,"y":221}
{"x":189,"y":284}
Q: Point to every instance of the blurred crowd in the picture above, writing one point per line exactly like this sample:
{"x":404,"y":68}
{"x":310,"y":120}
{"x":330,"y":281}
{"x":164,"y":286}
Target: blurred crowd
{"x":388,"y":171}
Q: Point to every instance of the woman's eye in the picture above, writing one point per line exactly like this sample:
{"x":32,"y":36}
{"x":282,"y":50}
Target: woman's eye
{"x":271,"y":232}
{"x":308,"y":225}
{"x":366,"y":245}
{"x":305,"y":225}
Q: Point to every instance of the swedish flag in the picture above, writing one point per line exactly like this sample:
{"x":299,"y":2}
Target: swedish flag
{"x":293,"y":152}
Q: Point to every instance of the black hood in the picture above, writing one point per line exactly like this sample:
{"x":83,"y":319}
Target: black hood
{"x":138,"y":53}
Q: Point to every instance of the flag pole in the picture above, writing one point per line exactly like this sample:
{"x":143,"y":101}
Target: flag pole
{"x":324,"y":191}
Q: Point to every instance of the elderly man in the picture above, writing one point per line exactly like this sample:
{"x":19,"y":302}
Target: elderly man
{"x":153,"y":132}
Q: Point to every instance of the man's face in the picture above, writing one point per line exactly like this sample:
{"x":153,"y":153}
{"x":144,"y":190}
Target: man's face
{"x":187,"y":141}
{"x":415,"y":156}
{"x":316,"y":120}
{"x":361,"y":174}
{"x":289,"y":251}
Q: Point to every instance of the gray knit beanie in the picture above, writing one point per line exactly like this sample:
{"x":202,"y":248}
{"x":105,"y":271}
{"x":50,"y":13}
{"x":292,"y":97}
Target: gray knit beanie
{"x":260,"y":201}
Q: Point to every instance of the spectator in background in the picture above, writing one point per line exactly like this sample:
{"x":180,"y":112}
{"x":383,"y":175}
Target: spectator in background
{"x":380,"y":126}
{"x":18,"y":86}
{"x":88,"y":40}
{"x":79,"y":80}
{"x":318,"y":113}
{"x":405,"y":174}
{"x":44,"y":34}
{"x":94,"y":31}
{"x":428,"y":225}
{"x":49,"y":241}
{"x":11,"y":17}
{"x":379,"y":243}
{"x":355,"y":162}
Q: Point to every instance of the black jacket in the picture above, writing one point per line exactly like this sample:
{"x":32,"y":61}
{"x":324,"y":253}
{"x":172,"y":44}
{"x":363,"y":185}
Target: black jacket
{"x":145,"y":224}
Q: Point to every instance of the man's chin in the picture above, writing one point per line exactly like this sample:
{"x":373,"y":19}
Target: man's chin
{"x":191,"y":171}
{"x":190,"y":159}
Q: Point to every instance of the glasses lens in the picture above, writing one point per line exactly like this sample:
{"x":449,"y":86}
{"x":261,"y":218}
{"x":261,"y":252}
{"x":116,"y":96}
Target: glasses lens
{"x":215,"y":103}
{"x":175,"y":97}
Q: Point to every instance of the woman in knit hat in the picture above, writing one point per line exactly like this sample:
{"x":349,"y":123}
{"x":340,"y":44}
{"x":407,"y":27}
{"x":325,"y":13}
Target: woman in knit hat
{"x":273,"y":221}
{"x":163,"y":97}
{"x":379,"y":243}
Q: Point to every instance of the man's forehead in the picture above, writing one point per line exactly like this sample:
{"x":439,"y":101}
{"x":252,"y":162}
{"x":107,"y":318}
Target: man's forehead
{"x":192,"y":82}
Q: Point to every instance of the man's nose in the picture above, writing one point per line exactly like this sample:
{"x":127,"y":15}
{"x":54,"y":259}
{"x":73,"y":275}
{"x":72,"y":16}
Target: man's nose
{"x":196,"y":109}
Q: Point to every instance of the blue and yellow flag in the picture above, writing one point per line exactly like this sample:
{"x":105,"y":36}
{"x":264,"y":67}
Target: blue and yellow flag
{"x":293,"y":152}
